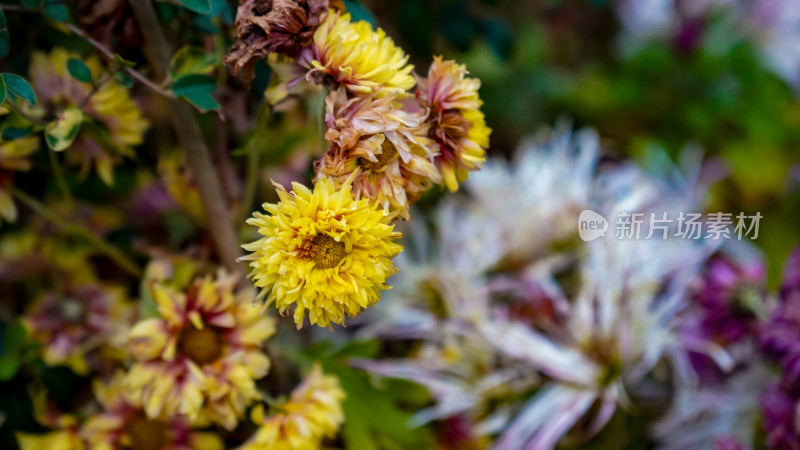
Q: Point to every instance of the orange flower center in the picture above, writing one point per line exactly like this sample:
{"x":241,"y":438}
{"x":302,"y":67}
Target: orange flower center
{"x":453,"y":125}
{"x":387,"y":154}
{"x":147,"y":434}
{"x":326,"y":251}
{"x":201,"y":346}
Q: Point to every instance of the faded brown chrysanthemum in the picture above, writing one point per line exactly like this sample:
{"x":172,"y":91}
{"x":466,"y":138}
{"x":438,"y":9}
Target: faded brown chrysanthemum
{"x":380,"y":149}
{"x":267,"y":26}
{"x":456,"y":121}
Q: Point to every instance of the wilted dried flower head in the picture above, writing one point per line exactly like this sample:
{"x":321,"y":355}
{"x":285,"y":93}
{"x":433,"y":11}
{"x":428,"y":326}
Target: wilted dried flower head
{"x":323,"y":252}
{"x":267,"y":26}
{"x":379,"y":147}
{"x":353,"y":55}
{"x":201,"y":357}
{"x":456,"y":121}
{"x":313,"y":412}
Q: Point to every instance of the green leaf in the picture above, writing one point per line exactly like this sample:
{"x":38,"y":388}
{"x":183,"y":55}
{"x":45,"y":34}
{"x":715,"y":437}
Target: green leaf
{"x":11,"y":133}
{"x":3,"y":90}
{"x":198,"y":6}
{"x":358,"y":12}
{"x":123,"y":78}
{"x":19,"y":87}
{"x":197,"y":89}
{"x":79,"y":70}
{"x":4,"y":37}
{"x":192,"y":60}
{"x":56,"y":11}
{"x":14,"y":337}
{"x":60,"y":133}
{"x":205,"y":24}
{"x":32,"y":4}
{"x":375,"y":418}
{"x":9,"y":366}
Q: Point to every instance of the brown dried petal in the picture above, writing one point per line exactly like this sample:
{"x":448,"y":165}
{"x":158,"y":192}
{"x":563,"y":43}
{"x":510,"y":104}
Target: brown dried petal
{"x":266,"y":26}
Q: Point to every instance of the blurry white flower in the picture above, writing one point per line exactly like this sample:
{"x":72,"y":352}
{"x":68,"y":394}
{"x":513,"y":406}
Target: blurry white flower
{"x":776,"y":25}
{"x":524,"y":328}
{"x":701,"y":415}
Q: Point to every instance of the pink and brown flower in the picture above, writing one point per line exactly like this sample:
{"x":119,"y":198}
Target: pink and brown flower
{"x":123,"y":424}
{"x":80,"y":326}
{"x":201,"y":357}
{"x":379,"y":146}
{"x":456,"y":121}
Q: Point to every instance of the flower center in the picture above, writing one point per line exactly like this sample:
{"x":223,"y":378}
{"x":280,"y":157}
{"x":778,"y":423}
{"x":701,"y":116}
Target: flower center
{"x":387,"y":154}
{"x":326,"y":251}
{"x":262,"y":7}
{"x":201,"y":346}
{"x":147,"y":434}
{"x":453,"y":125}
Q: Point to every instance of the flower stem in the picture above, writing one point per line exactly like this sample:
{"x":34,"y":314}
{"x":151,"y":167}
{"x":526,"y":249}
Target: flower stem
{"x":254,"y":148}
{"x":80,"y":231}
{"x":218,"y":214}
{"x":58,"y":174}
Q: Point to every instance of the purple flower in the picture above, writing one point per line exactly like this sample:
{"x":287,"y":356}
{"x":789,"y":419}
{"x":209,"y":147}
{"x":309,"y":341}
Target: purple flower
{"x":149,"y":203}
{"x":725,"y":306}
{"x":779,"y":423}
{"x":729,"y":295}
{"x":729,"y":443}
{"x":780,"y":336}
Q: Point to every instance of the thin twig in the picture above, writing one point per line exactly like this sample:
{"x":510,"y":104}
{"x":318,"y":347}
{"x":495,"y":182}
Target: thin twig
{"x":110,"y":56}
{"x":77,"y":230}
{"x":102,"y":49}
{"x":95,"y":87}
{"x":218,"y":214}
{"x":16,"y":8}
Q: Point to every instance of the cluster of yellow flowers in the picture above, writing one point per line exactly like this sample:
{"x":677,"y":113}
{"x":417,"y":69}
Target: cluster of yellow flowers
{"x":194,"y":365}
{"x":327,"y":250}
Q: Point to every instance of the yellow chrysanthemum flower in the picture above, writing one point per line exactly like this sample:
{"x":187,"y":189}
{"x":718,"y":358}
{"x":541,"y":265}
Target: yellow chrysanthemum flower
{"x":356,"y":56}
{"x":66,"y":439}
{"x":313,"y":413}
{"x":322,"y":251}
{"x":457,"y":123}
{"x":122,"y":424}
{"x":381,"y":148}
{"x":13,"y":158}
{"x":122,"y":125}
{"x":202,"y":356}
